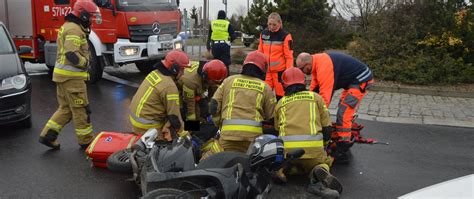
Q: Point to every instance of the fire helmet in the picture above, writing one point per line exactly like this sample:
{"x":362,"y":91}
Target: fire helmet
{"x":214,"y":70}
{"x":84,"y":9}
{"x":293,"y":76}
{"x":258,"y":59}
{"x":176,"y":60}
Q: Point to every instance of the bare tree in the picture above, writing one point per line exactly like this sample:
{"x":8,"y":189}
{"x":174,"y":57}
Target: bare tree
{"x":361,"y":11}
{"x":241,"y":11}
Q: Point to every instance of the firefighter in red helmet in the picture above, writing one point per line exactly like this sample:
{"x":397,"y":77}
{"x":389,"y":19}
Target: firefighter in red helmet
{"x":156,"y":101}
{"x":302,"y":119}
{"x":241,"y":103}
{"x":195,"y":85}
{"x":70,"y":74}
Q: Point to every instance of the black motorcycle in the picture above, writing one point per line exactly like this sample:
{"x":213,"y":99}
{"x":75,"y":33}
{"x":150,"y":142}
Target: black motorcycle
{"x":168,"y":170}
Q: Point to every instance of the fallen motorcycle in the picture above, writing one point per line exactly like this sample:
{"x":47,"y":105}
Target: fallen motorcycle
{"x":164,"y":169}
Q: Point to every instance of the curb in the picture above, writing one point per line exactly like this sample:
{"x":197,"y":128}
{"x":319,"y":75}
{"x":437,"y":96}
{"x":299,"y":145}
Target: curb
{"x":418,"y":91}
{"x":427,"y":120}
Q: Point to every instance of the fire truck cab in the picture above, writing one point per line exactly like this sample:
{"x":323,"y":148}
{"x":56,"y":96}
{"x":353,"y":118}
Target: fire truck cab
{"x":127,"y":31}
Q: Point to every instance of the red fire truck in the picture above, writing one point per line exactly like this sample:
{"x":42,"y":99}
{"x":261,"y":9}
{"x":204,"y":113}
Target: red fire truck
{"x":128,"y":31}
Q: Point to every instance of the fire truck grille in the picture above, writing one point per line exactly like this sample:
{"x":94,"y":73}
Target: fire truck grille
{"x":140,"y":33}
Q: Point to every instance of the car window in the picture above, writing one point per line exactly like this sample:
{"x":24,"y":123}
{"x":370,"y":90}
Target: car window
{"x":6,"y":46}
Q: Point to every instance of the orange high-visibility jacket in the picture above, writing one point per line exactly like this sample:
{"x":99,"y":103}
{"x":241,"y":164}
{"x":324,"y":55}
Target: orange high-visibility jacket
{"x":278,"y":48}
{"x":332,"y":71}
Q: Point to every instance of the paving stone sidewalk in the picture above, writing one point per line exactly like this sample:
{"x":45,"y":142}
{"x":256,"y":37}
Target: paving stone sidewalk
{"x":413,"y":109}
{"x":387,"y":105}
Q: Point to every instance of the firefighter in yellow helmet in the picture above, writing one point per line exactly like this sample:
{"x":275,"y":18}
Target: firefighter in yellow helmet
{"x":70,"y":73}
{"x":241,"y":103}
{"x":303,"y":121}
{"x":156,"y":101}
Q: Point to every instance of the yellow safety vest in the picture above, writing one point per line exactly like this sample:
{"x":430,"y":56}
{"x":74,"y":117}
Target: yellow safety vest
{"x":220,"y":30}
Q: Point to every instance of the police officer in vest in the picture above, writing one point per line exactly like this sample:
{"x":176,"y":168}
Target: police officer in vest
{"x":220,"y":35}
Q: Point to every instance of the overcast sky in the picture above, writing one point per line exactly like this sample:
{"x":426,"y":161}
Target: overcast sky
{"x":215,"y":6}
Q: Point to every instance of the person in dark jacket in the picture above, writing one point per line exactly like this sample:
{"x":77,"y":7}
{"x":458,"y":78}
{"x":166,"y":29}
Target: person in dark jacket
{"x":221,"y":34}
{"x":332,"y":71}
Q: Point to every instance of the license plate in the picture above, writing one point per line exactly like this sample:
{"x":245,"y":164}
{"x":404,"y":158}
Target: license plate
{"x":167,"y":45}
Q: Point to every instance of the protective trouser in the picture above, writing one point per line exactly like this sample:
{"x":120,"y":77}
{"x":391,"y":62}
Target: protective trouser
{"x":273,"y":79}
{"x":350,"y":100}
{"x":231,"y":145}
{"x":221,"y":51}
{"x":211,"y":147}
{"x":73,"y":104}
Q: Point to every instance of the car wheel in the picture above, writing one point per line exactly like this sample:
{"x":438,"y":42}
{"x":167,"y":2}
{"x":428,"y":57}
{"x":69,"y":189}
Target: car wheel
{"x":145,"y":67}
{"x":120,"y":161}
{"x":165,"y":193}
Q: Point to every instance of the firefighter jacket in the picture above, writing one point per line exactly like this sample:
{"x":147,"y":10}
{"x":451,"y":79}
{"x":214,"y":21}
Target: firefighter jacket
{"x":299,"y":118}
{"x":242,"y":103}
{"x":277,"y":46}
{"x":332,"y":71}
{"x":193,"y":89}
{"x":72,"y":37}
{"x":156,"y":98}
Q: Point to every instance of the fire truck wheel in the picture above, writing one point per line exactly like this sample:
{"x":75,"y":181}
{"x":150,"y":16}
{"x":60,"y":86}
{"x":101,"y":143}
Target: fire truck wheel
{"x":96,"y":67}
{"x":145,"y":67}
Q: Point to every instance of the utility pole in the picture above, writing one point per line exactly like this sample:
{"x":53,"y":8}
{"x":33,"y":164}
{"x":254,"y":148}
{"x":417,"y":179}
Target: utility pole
{"x":225,"y":3}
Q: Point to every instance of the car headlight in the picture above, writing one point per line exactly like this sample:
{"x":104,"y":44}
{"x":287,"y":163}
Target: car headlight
{"x":129,"y":50}
{"x":17,"y":82}
{"x":178,"y":45}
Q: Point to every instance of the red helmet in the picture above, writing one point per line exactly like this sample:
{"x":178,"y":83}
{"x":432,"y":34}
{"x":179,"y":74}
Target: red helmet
{"x":293,"y":76}
{"x":176,"y":60}
{"x":215,"y":70}
{"x":257,"y":58}
{"x":85,"y":6}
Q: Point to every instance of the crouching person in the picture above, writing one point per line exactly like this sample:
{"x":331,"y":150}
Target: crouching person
{"x":302,"y":119}
{"x":156,"y":101}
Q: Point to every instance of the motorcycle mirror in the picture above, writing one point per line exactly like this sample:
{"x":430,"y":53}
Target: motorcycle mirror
{"x":295,"y":154}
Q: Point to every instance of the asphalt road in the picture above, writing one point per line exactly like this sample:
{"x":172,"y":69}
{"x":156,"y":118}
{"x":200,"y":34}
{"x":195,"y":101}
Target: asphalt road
{"x":417,"y":156}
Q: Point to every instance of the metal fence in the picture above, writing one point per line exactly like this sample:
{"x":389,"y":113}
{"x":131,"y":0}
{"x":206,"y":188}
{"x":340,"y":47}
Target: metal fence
{"x":196,"y":39}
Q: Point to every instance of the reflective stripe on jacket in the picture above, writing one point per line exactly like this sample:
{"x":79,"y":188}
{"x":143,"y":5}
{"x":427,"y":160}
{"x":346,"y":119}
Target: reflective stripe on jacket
{"x":71,"y":38}
{"x":156,"y":98}
{"x":242,"y":103}
{"x":278,"y":48}
{"x":191,"y":85}
{"x":299,"y":118}
{"x":220,"y":30}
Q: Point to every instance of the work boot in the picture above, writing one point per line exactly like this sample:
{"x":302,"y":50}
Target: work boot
{"x":50,"y":140}
{"x":322,"y":175}
{"x":321,"y":190}
{"x":279,"y":177}
{"x":341,"y":157}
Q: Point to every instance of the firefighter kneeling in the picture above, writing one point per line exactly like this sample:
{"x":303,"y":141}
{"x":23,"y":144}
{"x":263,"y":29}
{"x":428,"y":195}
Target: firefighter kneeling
{"x":303,"y":121}
{"x":156,"y":101}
